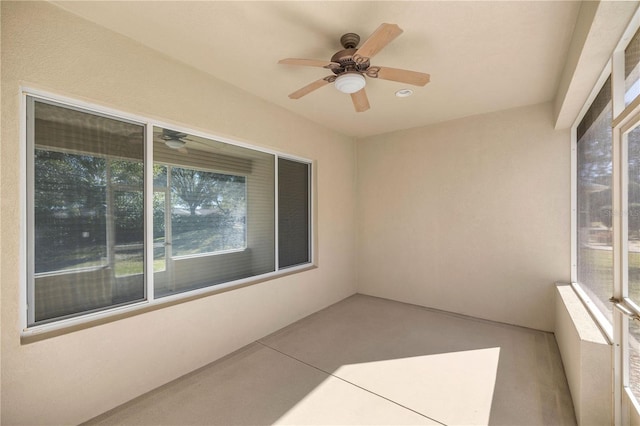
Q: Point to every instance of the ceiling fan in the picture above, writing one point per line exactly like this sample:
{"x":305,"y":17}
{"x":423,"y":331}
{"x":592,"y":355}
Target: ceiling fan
{"x":175,"y":140}
{"x":179,"y":141}
{"x":351,"y":65}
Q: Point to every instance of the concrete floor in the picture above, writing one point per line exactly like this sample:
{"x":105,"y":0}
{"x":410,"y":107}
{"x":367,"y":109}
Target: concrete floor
{"x":367,"y":360}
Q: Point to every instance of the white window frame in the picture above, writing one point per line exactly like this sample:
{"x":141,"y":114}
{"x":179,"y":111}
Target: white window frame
{"x":27,"y":165}
{"x":622,"y":116}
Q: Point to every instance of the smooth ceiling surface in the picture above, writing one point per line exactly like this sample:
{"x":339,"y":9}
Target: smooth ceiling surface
{"x":482,"y":56}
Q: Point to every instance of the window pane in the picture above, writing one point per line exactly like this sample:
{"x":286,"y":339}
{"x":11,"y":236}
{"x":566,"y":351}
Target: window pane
{"x":208,"y":211}
{"x":69,"y":208}
{"x":129,"y":235}
{"x":293,"y":213}
{"x":633,"y":238}
{"x":633,"y":213}
{"x":221,"y":203}
{"x":595,"y":255}
{"x":632,"y":70}
{"x":160,"y":207}
{"x":87,"y":208}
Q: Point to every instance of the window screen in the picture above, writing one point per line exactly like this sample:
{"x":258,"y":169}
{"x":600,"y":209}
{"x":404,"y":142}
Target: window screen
{"x":293,"y":213}
{"x":87,"y":211}
{"x":215,"y":218}
{"x":594,"y":167}
{"x":633,"y":255}
{"x":632,"y":69}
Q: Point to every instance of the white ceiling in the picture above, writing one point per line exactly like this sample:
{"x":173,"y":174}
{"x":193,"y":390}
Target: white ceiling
{"x":482,"y":56}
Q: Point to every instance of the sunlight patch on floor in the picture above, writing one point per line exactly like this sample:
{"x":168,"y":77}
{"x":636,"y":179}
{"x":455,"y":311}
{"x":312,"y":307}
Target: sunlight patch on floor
{"x":335,"y":402}
{"x":453,"y":388}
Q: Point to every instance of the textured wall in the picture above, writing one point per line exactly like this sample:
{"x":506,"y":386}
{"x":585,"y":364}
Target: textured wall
{"x":586,"y":356}
{"x":470,"y":216}
{"x":73,"y":377}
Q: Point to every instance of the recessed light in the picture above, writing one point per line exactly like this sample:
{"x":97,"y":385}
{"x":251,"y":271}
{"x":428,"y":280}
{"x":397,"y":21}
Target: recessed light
{"x":403,"y":93}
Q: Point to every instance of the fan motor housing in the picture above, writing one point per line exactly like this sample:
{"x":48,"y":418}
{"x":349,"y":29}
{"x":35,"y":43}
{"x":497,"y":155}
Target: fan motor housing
{"x":347,"y":62}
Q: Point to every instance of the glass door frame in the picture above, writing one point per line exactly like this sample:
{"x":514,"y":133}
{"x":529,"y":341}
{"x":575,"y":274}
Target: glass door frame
{"x":624,"y":309}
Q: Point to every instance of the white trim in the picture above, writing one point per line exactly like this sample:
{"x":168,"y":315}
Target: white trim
{"x":151,"y":301}
{"x":631,"y":304}
{"x":633,"y":401}
{"x":598,"y":316}
{"x":149,"y":192}
{"x":26,"y":272}
{"x":619,"y":244}
{"x":622,"y":290}
{"x":617,"y":368}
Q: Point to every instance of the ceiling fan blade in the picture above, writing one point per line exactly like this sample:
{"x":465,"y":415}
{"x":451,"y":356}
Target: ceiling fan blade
{"x":384,"y":35}
{"x":309,"y":63}
{"x":404,"y":76}
{"x":360,"y":100}
{"x":309,"y":88}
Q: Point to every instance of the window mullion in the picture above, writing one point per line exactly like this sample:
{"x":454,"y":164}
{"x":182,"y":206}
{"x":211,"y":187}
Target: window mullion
{"x":148,"y":212}
{"x":168,"y":232}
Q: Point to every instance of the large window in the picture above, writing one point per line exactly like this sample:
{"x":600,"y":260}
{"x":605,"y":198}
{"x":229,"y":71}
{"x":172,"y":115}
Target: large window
{"x":594,"y":168}
{"x":108,"y":227}
{"x":607,"y":209}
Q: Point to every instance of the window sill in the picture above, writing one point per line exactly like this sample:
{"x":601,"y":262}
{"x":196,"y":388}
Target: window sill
{"x":600,"y":320}
{"x":586,"y":356}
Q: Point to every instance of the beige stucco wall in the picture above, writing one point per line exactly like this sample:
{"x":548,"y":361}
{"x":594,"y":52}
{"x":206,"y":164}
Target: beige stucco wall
{"x":470,"y":216}
{"x":71,"y":378}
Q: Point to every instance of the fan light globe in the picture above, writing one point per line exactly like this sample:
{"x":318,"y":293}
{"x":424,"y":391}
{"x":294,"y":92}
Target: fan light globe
{"x":350,"y":82}
{"x":175,"y":143}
